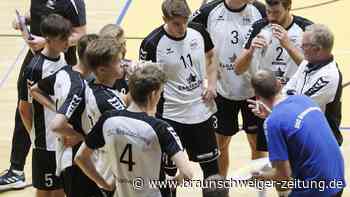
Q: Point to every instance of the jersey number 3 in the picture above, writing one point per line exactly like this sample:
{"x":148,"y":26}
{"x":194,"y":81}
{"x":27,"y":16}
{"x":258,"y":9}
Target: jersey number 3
{"x":127,"y":151}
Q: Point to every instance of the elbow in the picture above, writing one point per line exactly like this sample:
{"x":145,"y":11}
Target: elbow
{"x":238,"y":71}
{"x":55,"y":127}
{"x":78,"y":159}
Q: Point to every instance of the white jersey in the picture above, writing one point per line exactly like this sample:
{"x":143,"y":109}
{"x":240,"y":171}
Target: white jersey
{"x":228,"y":29}
{"x":274,"y":57}
{"x":323,"y":83}
{"x":99,"y":99}
{"x":135,"y":144}
{"x":39,"y":68}
{"x":66,"y":87}
{"x":182,"y":96}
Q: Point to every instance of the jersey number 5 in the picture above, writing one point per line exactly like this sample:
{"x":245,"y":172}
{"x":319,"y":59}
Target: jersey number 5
{"x":129,"y":161}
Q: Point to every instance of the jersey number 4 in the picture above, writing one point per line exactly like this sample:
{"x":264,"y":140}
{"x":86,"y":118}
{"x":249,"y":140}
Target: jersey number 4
{"x":127,"y":151}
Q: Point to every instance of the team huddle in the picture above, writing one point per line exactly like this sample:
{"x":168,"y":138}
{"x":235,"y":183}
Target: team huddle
{"x":100,"y":121}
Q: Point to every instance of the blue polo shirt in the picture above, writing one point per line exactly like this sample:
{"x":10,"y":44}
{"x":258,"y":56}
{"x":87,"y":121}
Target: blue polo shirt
{"x":297,"y":130}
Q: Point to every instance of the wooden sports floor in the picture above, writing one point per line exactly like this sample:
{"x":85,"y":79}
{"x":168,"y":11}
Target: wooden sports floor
{"x":142,"y":17}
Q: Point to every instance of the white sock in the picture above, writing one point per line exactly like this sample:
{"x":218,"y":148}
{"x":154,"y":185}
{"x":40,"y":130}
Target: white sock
{"x":17,"y":172}
{"x":283,"y":193}
{"x":262,"y":193}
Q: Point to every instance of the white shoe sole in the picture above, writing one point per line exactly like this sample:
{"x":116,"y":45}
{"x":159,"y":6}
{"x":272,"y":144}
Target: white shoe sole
{"x":16,"y":185}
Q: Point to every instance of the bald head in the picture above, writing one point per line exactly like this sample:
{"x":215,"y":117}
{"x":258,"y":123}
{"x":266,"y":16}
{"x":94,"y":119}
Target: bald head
{"x":265,"y":84}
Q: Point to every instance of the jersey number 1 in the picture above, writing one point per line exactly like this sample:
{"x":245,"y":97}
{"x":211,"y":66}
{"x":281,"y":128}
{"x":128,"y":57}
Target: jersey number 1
{"x":129,"y":161}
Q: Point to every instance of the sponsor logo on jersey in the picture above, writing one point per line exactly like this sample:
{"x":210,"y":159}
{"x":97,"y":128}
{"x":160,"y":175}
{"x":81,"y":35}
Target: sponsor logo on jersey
{"x":194,"y":44}
{"x":115,"y":102}
{"x":169,"y":51}
{"x":51,"y":4}
{"x":143,"y":54}
{"x":229,"y":66}
{"x":193,"y":83}
{"x":195,"y":14}
{"x":246,"y":20}
{"x":318,"y":85}
{"x":73,"y":105}
{"x":176,"y":137}
{"x":220,"y":18}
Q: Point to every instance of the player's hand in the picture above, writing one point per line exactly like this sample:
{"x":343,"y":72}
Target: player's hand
{"x":108,"y":187}
{"x":258,"y":108}
{"x":258,"y":42}
{"x":209,"y":93}
{"x":15,"y":24}
{"x":37,"y":43}
{"x":281,"y":34}
{"x":70,"y":141}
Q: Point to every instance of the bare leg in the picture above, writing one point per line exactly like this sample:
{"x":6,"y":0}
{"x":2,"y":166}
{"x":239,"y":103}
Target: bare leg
{"x":223,"y":143}
{"x":252,"y":138}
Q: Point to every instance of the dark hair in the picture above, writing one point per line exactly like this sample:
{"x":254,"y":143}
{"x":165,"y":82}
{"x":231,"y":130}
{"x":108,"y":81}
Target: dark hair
{"x":55,"y":26}
{"x":144,"y":81}
{"x":175,"y":8}
{"x":287,"y":4}
{"x":83,"y":43}
{"x":265,"y":84}
{"x":102,"y":52}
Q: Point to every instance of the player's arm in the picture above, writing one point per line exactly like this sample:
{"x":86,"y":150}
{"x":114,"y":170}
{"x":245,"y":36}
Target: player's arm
{"x":15,"y":22}
{"x":60,"y":125}
{"x":25,"y":110}
{"x":278,"y":152}
{"x":93,"y":141}
{"x":282,"y":35}
{"x":25,"y":106}
{"x":290,"y":87}
{"x":253,"y":42}
{"x":42,"y":98}
{"x":281,"y":171}
{"x":171,"y":145}
{"x":212,"y":73}
{"x":83,"y":160}
{"x":183,"y":164}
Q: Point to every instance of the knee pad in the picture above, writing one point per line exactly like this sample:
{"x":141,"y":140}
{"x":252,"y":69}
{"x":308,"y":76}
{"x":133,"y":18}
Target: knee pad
{"x":213,"y":187}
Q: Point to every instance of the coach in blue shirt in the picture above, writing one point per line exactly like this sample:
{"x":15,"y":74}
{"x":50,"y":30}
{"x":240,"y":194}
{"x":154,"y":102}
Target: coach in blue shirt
{"x":302,"y":148}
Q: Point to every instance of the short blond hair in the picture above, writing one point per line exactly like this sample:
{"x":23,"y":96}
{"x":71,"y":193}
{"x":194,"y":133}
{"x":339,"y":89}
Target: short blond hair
{"x":102,"y":52}
{"x":116,"y":32}
{"x":175,"y":8}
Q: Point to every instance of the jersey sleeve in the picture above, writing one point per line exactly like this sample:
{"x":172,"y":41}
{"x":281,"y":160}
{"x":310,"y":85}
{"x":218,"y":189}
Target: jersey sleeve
{"x":324,"y":89}
{"x":254,"y":31}
{"x":47,"y":84}
{"x":291,"y":86}
{"x":260,"y":7}
{"x":169,"y":141}
{"x":23,"y":93}
{"x":75,"y":12}
{"x":276,"y":141}
{"x":95,"y":139}
{"x":73,"y":99}
{"x":147,"y":51}
{"x":208,"y":43}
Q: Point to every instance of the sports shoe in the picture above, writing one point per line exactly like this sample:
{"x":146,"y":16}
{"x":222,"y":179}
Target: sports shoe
{"x":10,"y":180}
